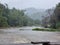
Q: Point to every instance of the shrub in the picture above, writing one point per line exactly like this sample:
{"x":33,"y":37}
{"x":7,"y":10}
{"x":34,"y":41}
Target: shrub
{"x":58,"y":25}
{"x":45,"y":29}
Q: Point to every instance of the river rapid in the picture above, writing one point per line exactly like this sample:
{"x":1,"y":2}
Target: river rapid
{"x":26,"y":35}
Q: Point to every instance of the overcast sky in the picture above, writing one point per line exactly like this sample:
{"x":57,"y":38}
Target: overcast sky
{"x":22,"y":4}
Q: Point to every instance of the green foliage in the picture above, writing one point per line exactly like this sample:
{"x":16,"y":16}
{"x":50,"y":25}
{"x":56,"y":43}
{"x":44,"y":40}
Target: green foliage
{"x":58,"y":25}
{"x":57,"y":15}
{"x":3,"y":22}
{"x":14,"y":17}
{"x":3,"y":18}
{"x":45,"y":29}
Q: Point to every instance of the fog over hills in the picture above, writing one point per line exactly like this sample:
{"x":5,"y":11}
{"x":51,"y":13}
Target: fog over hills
{"x":38,"y":13}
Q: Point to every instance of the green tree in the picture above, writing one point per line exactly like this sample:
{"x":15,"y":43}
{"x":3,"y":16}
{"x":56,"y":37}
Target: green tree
{"x":57,"y":14}
{"x":3,"y":19}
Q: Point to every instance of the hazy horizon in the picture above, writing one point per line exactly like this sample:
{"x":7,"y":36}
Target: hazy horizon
{"x":38,"y":4}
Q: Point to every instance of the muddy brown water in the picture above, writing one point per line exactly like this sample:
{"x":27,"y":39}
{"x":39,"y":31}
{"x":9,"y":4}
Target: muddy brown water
{"x":26,"y":35}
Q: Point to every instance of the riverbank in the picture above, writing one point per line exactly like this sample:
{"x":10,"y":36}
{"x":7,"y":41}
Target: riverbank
{"x":46,"y":29}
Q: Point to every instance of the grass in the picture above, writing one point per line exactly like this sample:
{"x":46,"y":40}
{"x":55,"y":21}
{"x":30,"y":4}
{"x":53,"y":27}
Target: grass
{"x":45,"y":29}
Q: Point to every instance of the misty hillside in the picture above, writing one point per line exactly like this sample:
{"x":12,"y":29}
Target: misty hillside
{"x":38,"y":13}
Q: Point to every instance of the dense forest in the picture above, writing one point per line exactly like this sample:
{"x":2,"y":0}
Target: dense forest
{"x":14,"y":17}
{"x":53,"y":19}
{"x":57,"y":15}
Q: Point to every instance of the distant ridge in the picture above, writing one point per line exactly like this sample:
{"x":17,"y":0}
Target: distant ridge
{"x":37,"y":13}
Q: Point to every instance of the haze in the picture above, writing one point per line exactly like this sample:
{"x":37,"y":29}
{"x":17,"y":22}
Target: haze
{"x":39,"y":4}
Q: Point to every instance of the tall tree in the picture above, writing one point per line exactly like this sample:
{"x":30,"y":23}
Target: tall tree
{"x":57,"y":13}
{"x":3,"y":19}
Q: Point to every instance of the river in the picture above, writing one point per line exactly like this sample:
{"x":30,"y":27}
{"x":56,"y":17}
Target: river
{"x":26,"y":35}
